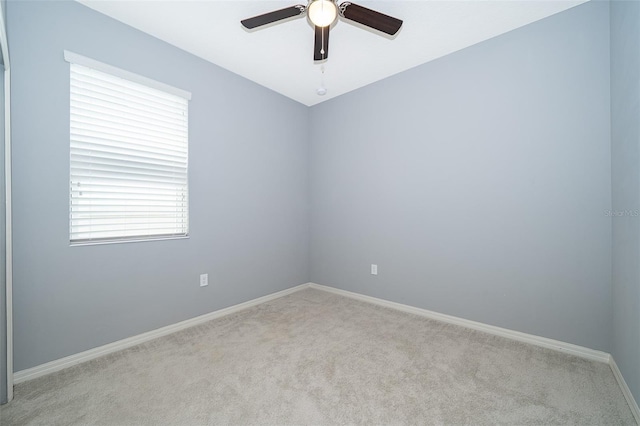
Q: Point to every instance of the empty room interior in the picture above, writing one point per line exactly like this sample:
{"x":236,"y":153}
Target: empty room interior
{"x":250,"y":212}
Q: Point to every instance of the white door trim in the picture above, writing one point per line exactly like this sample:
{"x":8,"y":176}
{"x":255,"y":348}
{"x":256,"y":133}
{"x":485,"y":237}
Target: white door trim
{"x":4,"y":45}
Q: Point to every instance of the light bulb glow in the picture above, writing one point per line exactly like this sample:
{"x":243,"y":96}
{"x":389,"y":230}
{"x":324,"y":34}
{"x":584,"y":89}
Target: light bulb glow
{"x":322,"y":13}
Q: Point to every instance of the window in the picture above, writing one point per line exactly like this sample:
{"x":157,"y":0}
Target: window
{"x":129,"y":156}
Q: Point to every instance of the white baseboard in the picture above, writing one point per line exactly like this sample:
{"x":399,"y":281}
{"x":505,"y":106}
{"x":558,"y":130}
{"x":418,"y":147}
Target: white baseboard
{"x":633,"y":405}
{"x":62,"y":363}
{"x":491,"y":329}
{"x":544,"y":342}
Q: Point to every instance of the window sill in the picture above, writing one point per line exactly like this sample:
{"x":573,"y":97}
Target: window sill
{"x":132,"y":240}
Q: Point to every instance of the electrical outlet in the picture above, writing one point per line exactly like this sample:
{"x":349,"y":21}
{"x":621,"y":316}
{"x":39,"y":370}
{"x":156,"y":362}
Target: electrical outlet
{"x":204,"y":280}
{"x":374,"y":269}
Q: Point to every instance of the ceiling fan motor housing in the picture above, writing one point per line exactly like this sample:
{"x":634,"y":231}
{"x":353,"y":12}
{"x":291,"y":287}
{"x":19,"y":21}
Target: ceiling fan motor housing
{"x":322,"y":13}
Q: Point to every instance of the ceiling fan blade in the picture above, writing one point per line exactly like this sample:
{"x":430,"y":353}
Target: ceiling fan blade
{"x":370,"y":18}
{"x":271,"y":17}
{"x":321,"y":46}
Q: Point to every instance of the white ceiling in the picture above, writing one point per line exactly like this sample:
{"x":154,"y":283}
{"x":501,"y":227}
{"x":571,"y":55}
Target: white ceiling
{"x":280,"y":57}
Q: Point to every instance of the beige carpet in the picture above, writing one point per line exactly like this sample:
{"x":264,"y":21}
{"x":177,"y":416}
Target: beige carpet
{"x":317,"y":358}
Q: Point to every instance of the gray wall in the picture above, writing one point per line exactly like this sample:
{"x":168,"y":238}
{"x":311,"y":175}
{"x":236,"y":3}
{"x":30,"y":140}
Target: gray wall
{"x":625,"y":158}
{"x":248,"y":192}
{"x":478,"y":183}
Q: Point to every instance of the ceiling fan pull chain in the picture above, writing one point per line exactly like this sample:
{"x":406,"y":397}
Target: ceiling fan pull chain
{"x":321,"y":90}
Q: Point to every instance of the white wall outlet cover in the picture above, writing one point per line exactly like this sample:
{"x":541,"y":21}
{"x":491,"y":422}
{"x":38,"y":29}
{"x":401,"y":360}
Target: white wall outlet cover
{"x":204,"y":280}
{"x":374,"y":269}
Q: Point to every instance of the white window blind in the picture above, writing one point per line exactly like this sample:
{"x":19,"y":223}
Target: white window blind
{"x":129,"y":157}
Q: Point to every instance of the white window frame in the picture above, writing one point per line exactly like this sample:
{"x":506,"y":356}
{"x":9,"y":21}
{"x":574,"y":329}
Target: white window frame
{"x":83,"y":61}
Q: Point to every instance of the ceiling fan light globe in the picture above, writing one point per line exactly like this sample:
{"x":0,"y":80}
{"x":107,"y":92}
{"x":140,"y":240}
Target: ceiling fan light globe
{"x":322,"y":13}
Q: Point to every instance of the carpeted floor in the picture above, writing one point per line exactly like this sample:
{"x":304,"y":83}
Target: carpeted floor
{"x":317,"y":358}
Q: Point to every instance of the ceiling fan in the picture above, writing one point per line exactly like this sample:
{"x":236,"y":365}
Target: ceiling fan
{"x":322,"y":14}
